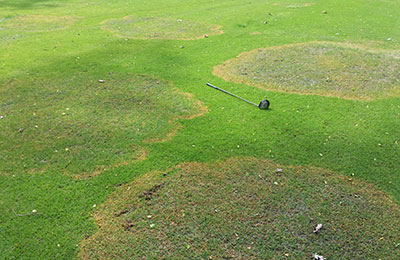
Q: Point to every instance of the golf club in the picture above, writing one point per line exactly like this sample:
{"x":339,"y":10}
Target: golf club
{"x":264,"y":104}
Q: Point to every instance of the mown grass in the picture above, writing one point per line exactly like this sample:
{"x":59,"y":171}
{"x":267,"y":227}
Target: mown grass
{"x":346,"y":136}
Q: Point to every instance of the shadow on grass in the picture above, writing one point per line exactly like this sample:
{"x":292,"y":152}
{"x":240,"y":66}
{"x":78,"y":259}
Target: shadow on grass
{"x":27,"y":4}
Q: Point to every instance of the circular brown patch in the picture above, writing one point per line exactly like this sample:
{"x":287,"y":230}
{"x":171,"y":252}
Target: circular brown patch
{"x":160,"y":28}
{"x":84,"y":127}
{"x":322,"y":68}
{"x":244,"y":209}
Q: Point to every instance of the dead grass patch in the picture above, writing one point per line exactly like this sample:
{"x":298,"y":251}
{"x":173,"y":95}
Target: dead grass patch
{"x":244,"y":209}
{"x":37,"y":23}
{"x":83,"y":127}
{"x":159,"y":28}
{"x":347,"y":70}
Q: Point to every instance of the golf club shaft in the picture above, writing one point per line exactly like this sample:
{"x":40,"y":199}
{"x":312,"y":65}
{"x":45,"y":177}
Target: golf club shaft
{"x":220,"y":89}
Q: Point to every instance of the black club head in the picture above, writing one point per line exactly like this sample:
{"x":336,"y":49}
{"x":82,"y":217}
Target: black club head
{"x":264,"y":104}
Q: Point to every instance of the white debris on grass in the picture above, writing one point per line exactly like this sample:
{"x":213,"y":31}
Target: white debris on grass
{"x":318,"y":257}
{"x":317,"y":228}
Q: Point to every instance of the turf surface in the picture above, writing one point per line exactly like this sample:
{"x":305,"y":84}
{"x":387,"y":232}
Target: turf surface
{"x":349,"y":137}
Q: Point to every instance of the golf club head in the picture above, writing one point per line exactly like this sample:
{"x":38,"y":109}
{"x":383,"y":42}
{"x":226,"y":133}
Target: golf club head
{"x":264,"y":104}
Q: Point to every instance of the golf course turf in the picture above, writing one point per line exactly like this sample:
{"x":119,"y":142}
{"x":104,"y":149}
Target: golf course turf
{"x":100,"y":99}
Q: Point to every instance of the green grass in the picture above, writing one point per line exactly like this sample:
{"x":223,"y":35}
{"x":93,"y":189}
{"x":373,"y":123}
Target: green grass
{"x":345,"y":136}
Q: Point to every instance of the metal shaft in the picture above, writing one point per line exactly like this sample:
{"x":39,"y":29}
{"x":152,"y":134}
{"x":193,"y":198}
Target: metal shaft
{"x":220,"y":89}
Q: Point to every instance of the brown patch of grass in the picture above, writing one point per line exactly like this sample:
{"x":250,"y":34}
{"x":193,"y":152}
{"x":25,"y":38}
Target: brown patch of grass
{"x":244,"y":209}
{"x":293,"y":5}
{"x":159,"y":28}
{"x":346,"y":70}
{"x":255,"y":33}
{"x":38,"y":23}
{"x":83,"y":128}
